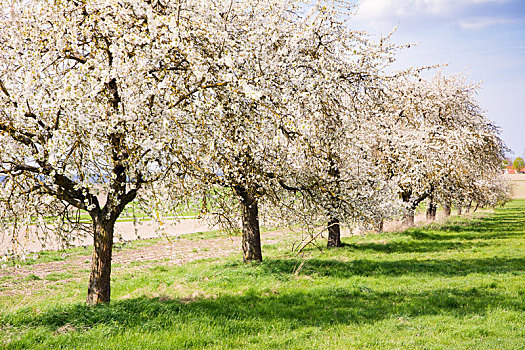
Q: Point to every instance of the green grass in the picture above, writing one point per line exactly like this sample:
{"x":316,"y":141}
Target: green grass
{"x":57,"y":276}
{"x":456,"y":286}
{"x":51,"y":255}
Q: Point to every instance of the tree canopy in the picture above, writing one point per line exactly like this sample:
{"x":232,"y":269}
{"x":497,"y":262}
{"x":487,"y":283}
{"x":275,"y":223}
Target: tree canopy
{"x":518,"y":164}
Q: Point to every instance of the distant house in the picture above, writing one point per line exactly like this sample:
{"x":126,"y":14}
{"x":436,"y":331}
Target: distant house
{"x":510,"y":170}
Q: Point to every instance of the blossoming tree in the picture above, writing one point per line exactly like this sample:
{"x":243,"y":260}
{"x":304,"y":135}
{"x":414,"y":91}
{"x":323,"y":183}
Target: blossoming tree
{"x":283,"y":116}
{"x":438,"y":144}
{"x":88,"y":90}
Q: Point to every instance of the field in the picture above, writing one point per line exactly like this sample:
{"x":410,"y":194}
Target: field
{"x":518,"y":190}
{"x":457,"y":285}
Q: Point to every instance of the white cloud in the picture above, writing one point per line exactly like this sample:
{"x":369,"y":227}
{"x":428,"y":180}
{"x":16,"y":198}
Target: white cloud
{"x":482,"y":22}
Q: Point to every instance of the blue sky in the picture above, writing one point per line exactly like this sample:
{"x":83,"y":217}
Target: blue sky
{"x":485,"y":39}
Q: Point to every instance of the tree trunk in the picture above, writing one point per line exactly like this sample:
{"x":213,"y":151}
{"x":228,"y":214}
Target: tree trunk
{"x":459,"y":210}
{"x":467,"y":207}
{"x":381,"y":225}
{"x":446,"y":209}
{"x":334,"y":229}
{"x":334,"y":233}
{"x":99,"y":280}
{"x":408,"y":219}
{"x":432,"y":209}
{"x":408,"y":216}
{"x":251,"y":235}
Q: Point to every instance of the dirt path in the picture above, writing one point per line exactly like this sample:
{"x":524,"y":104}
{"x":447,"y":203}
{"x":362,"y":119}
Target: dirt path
{"x":31,"y":241}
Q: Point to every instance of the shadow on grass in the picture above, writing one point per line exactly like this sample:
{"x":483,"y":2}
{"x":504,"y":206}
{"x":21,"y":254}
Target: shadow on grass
{"x":463,"y":233}
{"x":504,"y":223}
{"x":412,"y":246}
{"x":320,"y":307}
{"x":365,"y":267}
{"x":473,"y":231}
{"x":457,"y":234}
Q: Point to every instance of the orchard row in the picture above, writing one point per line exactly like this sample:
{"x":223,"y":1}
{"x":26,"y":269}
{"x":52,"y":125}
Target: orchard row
{"x":270,"y":110}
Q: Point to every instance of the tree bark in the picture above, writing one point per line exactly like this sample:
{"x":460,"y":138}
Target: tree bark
{"x":446,"y":209}
{"x":467,"y":207}
{"x":408,"y":216}
{"x":251,"y":235}
{"x":432,"y":209}
{"x":334,"y":233}
{"x":408,"y":219}
{"x":380,"y":225}
{"x":99,"y":290}
{"x":334,"y":228}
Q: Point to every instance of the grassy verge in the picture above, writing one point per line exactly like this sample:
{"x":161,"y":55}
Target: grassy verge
{"x":456,"y":286}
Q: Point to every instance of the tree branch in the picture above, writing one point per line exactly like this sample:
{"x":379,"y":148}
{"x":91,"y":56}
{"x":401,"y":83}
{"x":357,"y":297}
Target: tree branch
{"x":21,"y":136}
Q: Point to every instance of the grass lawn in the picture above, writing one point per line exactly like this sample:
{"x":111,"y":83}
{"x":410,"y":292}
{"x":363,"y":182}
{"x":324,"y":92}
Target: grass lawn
{"x":460,"y":285}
